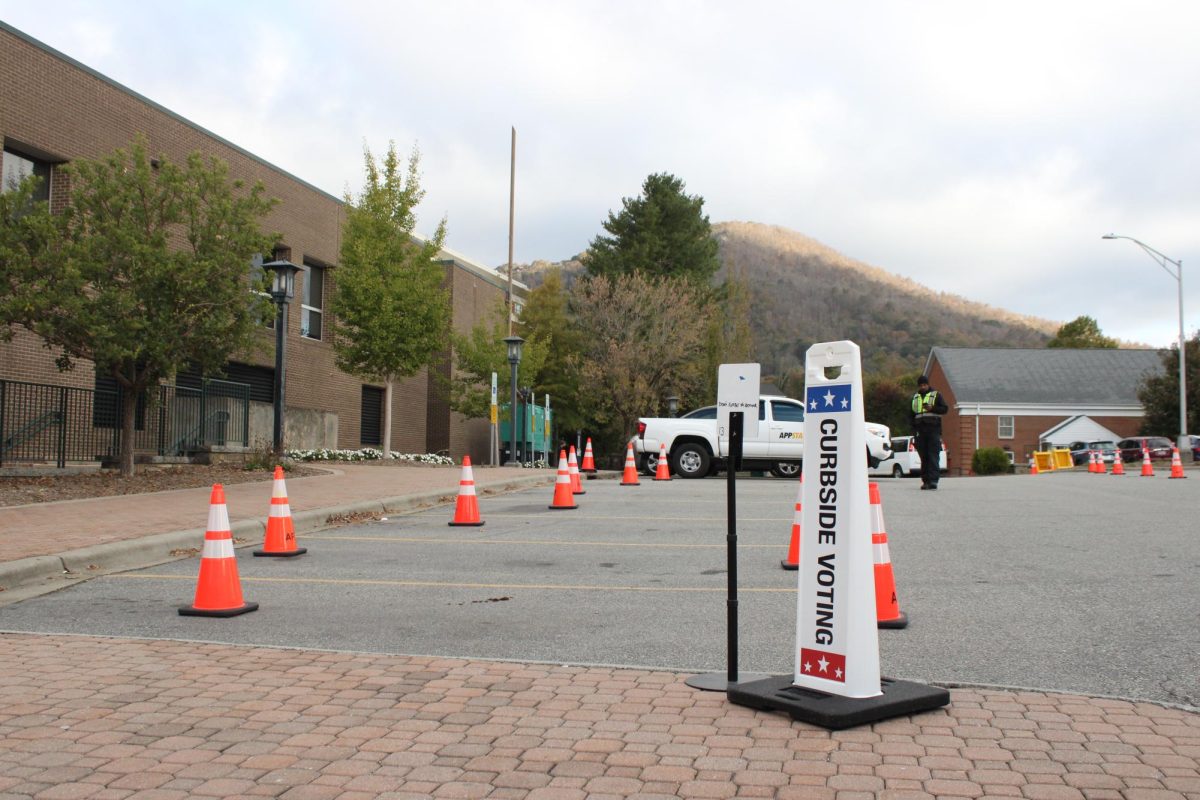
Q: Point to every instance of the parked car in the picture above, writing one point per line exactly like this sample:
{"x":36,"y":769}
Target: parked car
{"x":906,"y":461}
{"x":1106,"y":447}
{"x":1159,"y":447}
{"x":1194,"y":441}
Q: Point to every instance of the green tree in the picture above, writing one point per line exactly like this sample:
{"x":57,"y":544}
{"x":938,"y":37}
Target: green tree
{"x":1160,"y":393}
{"x":146,"y":271}
{"x":646,"y":340}
{"x":1081,"y":332}
{"x":546,"y":318}
{"x":888,"y":401}
{"x":481,"y":352}
{"x":662,"y":233}
{"x":391,"y":313}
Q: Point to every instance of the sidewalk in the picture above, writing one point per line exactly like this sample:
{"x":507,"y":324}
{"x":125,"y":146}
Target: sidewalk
{"x":90,"y":717}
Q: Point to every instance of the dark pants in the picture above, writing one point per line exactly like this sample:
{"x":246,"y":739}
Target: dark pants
{"x":929,"y":448}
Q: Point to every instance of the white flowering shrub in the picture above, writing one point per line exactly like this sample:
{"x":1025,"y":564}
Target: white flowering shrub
{"x":367,"y":454}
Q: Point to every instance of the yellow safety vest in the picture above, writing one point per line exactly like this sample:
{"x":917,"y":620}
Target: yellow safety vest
{"x":921,"y":404}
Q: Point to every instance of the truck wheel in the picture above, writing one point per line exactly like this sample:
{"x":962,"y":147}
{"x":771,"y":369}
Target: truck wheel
{"x":649,"y":464}
{"x":897,"y":471}
{"x":690,"y":460}
{"x":786,"y":469}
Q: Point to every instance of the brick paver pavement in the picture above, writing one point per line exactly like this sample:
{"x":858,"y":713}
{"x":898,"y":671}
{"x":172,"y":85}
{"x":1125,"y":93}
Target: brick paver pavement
{"x":84,"y":717}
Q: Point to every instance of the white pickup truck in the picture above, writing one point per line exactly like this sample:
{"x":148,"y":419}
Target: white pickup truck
{"x":695,"y":449}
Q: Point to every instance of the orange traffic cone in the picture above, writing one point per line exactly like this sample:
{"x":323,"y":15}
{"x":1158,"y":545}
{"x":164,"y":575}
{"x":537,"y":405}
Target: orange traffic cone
{"x":793,"y":557}
{"x":573,"y":469}
{"x":662,"y":472}
{"x":1092,"y":461}
{"x":1176,"y":464}
{"x":588,"y":467}
{"x":1147,"y":467}
{"x":466,"y":508}
{"x":563,"y":496}
{"x":887,"y":608}
{"x":1033,"y":470}
{"x":1118,"y":465}
{"x":218,"y":591}
{"x":630,"y":477}
{"x":280,"y":541}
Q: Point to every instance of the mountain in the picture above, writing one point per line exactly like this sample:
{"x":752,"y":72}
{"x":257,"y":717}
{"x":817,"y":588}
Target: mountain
{"x":803,"y":292}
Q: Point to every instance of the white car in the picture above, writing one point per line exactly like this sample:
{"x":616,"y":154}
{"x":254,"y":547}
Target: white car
{"x":905,"y":459}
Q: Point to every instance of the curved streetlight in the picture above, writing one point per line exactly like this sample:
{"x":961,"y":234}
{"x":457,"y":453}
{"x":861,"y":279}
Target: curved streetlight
{"x":1177,"y":274}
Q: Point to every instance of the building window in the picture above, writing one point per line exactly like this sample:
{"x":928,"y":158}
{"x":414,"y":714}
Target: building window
{"x":1007,"y":427}
{"x":370,"y":430}
{"x":260,"y":286}
{"x":311,"y":303}
{"x":18,"y":166}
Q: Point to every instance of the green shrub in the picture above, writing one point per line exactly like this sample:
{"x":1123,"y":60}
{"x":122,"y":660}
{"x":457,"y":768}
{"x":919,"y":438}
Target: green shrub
{"x":989,"y":461}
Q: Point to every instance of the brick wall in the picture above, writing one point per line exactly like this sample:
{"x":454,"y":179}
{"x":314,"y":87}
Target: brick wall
{"x":55,"y":107}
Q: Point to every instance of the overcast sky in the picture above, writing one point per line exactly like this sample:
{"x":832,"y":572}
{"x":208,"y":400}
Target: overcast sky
{"x":981,"y":149}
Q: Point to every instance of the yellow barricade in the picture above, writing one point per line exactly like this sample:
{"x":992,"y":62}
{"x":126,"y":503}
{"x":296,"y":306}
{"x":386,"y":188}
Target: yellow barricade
{"x":1044,"y":460}
{"x":1062,"y":458}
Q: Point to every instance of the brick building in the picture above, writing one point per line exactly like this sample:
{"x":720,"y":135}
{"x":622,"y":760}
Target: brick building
{"x":54,"y":110}
{"x":1011,"y":398}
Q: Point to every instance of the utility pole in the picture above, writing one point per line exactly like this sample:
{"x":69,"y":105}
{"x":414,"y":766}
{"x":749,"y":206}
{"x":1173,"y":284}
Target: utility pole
{"x":512,"y":195}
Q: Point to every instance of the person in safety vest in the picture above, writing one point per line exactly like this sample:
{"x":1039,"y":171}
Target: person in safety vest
{"x":927,"y":409}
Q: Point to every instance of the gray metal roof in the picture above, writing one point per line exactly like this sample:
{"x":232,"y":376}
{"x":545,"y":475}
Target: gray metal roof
{"x":1051,"y":376}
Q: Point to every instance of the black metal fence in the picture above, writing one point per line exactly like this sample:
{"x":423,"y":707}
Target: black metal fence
{"x":40,"y":423}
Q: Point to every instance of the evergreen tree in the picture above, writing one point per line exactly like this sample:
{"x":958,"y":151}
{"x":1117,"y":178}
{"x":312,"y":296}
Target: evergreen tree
{"x":662,"y":233}
{"x":1160,"y":393}
{"x":146,"y":271}
{"x":391,"y":313}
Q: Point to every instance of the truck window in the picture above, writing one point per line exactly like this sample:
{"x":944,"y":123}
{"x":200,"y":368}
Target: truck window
{"x":787,"y":412}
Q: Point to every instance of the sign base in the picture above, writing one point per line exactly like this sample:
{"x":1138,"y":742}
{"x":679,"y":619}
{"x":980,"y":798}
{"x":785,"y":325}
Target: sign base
{"x":719,"y":681}
{"x":834,"y":711}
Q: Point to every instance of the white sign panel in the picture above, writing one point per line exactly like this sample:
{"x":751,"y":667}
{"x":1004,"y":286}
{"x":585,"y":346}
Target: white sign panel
{"x":837,"y":642}
{"x":493,"y":388}
{"x":737,"y":390}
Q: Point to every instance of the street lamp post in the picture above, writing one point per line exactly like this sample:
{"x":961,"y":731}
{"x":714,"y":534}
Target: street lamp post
{"x":1177,"y":274}
{"x":673,"y":405}
{"x":283,"y":289}
{"x":514,"y":358}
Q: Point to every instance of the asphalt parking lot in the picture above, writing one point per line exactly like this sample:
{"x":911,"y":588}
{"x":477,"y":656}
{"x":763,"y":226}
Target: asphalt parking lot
{"x":1073,"y":582}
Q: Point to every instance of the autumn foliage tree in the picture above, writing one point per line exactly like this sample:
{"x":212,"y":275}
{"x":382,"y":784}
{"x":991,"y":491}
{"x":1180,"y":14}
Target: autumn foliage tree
{"x":145,"y":272}
{"x":646,"y":339}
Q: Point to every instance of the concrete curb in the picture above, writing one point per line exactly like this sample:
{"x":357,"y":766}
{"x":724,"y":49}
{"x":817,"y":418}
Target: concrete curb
{"x":55,"y":571}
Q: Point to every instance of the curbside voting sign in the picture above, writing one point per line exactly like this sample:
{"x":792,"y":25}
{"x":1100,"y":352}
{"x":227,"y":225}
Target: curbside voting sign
{"x":837,"y":644}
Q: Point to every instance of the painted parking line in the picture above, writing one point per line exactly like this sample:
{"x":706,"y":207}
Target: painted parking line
{"x":643,"y":518}
{"x":453,"y":585}
{"x":420,"y":540}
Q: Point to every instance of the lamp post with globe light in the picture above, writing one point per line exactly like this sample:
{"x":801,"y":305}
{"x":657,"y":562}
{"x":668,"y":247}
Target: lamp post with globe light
{"x":283,"y":289}
{"x":514,"y":358}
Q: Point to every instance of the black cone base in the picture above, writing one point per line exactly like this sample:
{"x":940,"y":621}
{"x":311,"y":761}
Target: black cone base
{"x":192,"y":611}
{"x":562,"y":508}
{"x":299,"y":551}
{"x":899,"y":622}
{"x":623,"y":483}
{"x":719,"y":681}
{"x":465,"y":524}
{"x":833,"y":711}
{"x":788,"y":565}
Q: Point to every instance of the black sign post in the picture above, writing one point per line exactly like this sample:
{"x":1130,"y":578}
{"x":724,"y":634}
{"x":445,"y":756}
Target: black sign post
{"x":716,"y":681}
